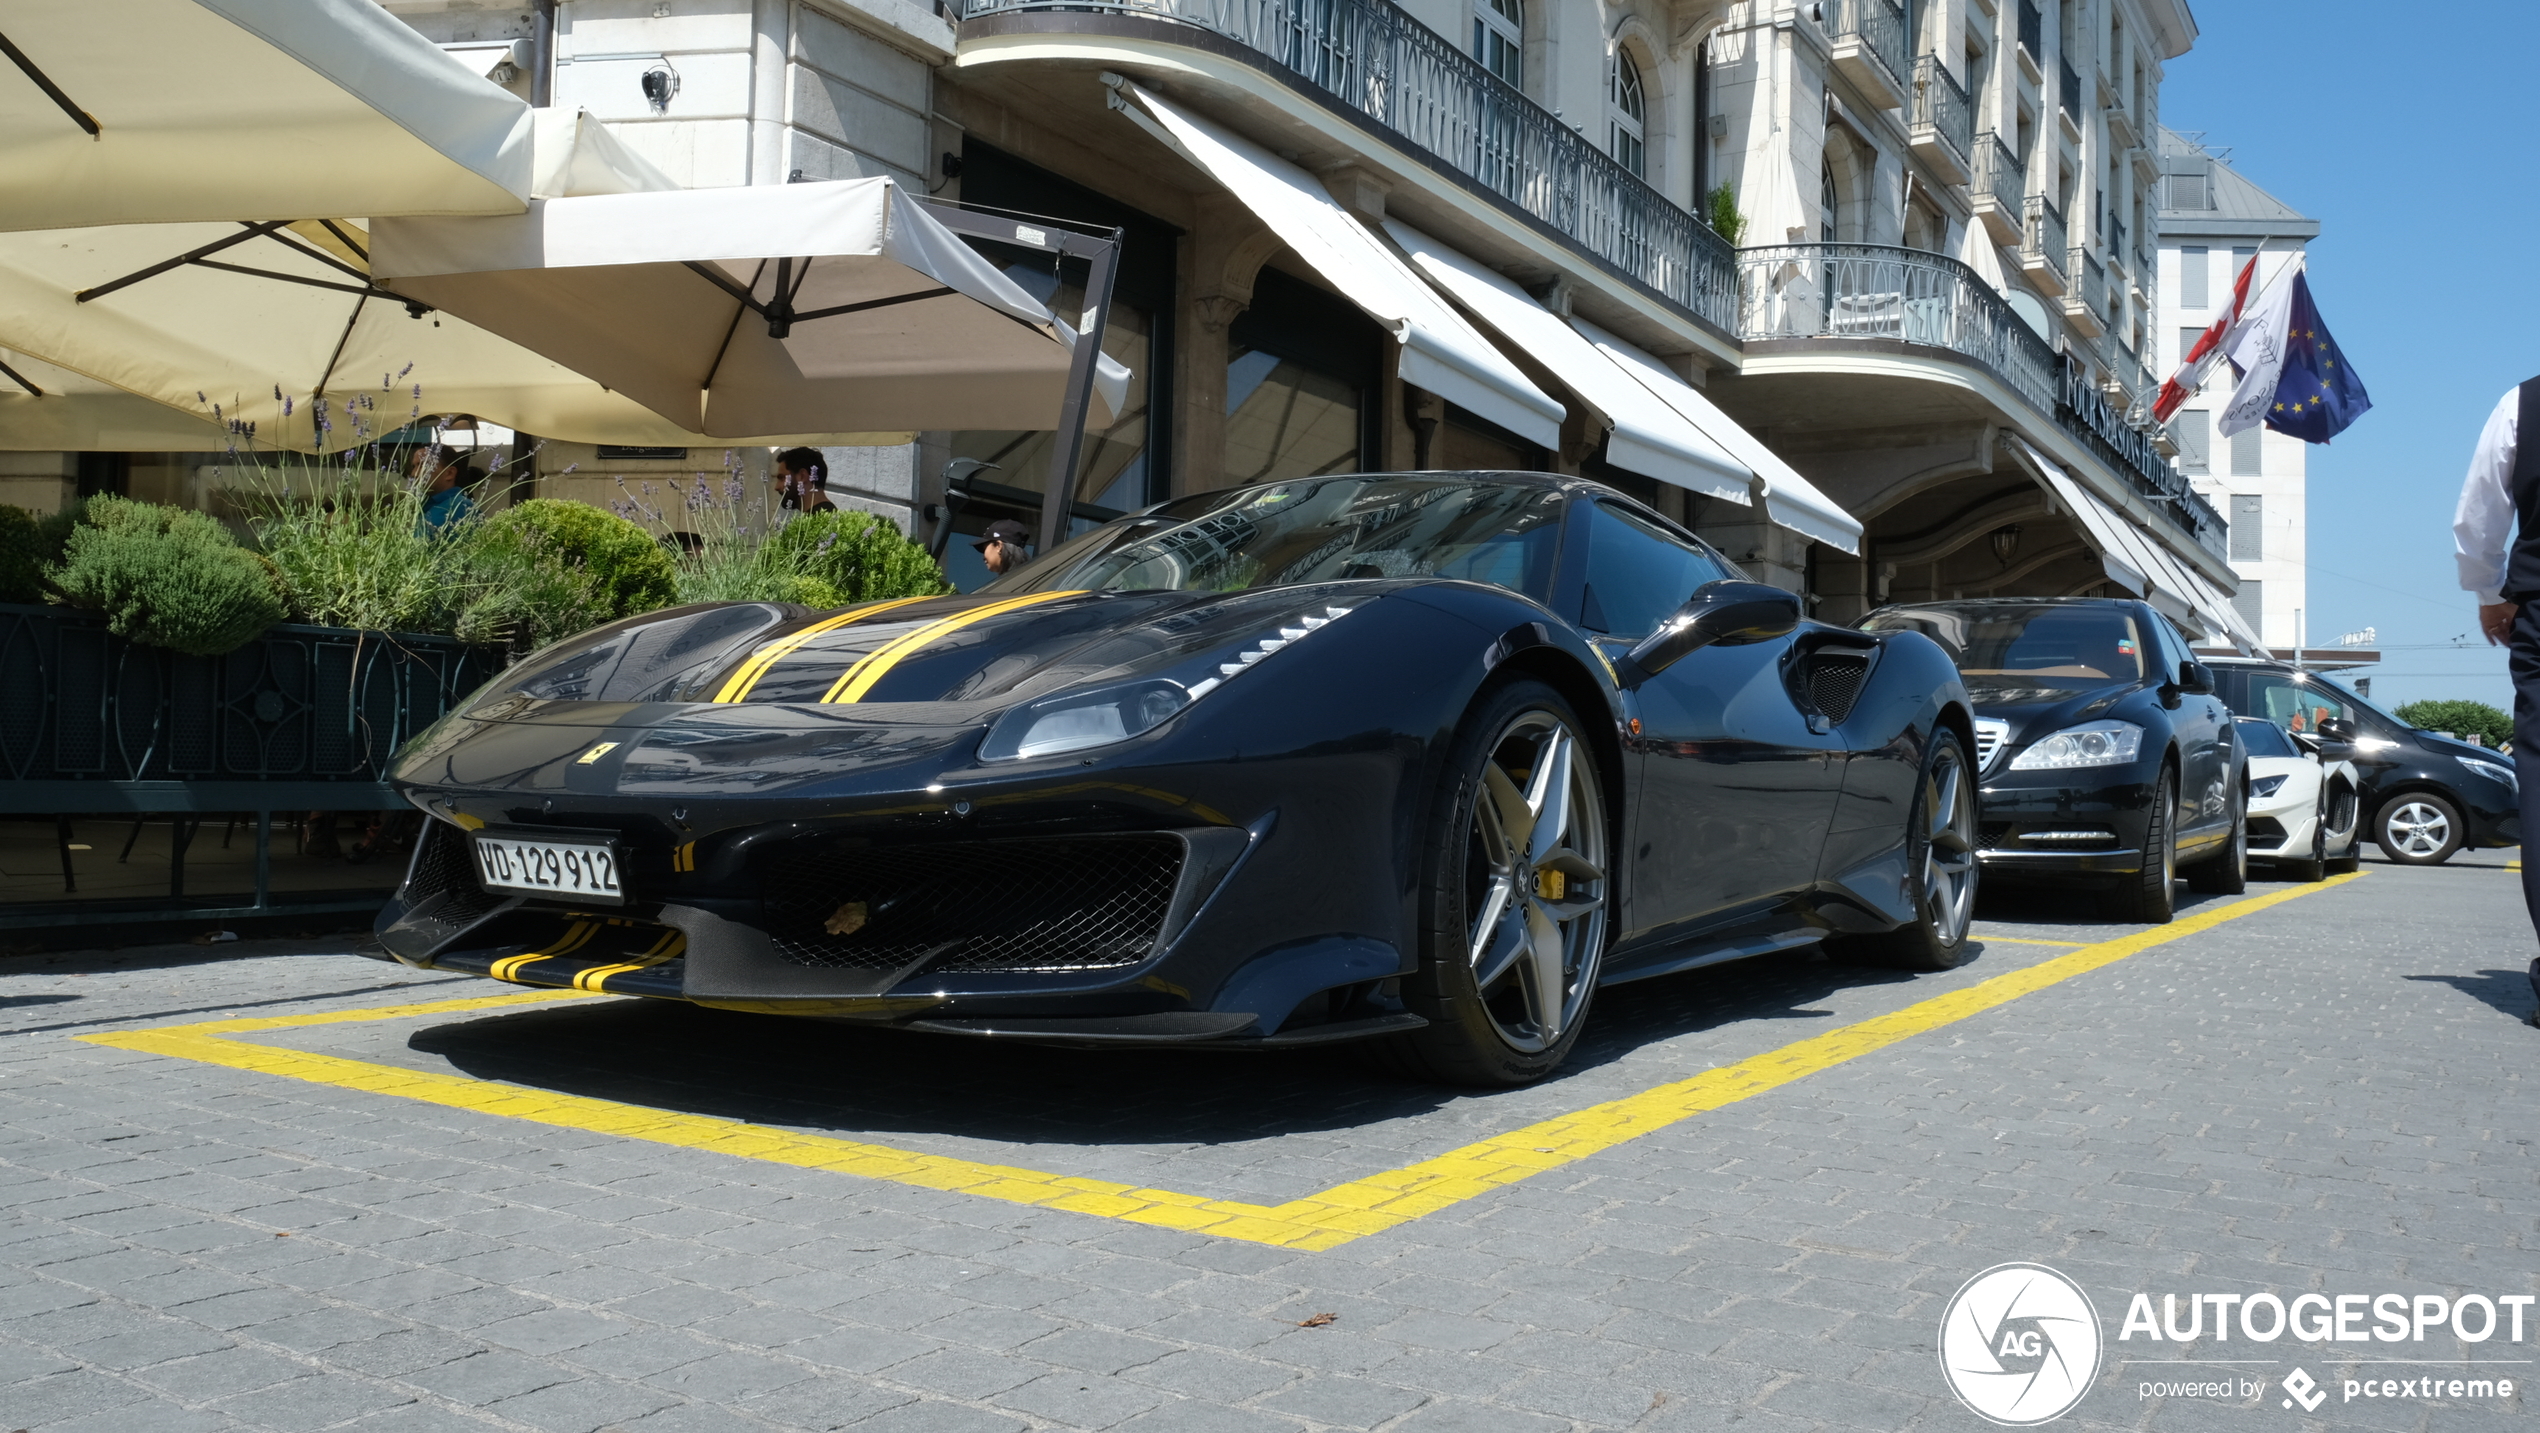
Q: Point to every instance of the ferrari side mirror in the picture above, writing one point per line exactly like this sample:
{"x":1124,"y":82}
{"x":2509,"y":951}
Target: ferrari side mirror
{"x":1728,"y":613}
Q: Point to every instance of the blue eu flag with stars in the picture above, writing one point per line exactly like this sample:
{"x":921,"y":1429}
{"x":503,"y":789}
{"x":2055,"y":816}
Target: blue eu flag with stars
{"x":2320,"y":392}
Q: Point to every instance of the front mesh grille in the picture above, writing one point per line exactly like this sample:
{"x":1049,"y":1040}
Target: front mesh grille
{"x":2265,"y":831}
{"x":1834,"y":683}
{"x":1025,"y":904}
{"x":1991,"y":835}
{"x":443,"y":867}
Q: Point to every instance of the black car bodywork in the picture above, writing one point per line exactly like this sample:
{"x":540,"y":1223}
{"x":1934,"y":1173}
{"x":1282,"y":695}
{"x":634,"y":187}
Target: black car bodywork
{"x":1246,"y":871}
{"x":2092,"y":820}
{"x":2393,"y":760}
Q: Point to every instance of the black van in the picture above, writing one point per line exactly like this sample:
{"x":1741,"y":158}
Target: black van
{"x":2424,"y":794}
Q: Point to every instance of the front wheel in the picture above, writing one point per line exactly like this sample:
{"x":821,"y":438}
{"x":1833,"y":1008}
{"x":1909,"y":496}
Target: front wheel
{"x":2226,"y":874}
{"x":1940,"y":854}
{"x":2150,"y":895}
{"x":2315,"y":868}
{"x":2418,"y":829}
{"x":1515,"y":884}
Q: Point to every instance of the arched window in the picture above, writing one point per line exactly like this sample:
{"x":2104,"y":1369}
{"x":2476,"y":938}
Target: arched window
{"x":1499,"y":38}
{"x":1826,"y":199}
{"x":1629,"y":141}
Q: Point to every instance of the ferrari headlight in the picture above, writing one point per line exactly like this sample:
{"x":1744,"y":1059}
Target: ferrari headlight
{"x":2266,"y":787}
{"x":2494,"y":772}
{"x":1082,"y":720}
{"x":2098,"y":743}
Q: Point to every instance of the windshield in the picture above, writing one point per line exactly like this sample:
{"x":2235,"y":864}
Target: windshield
{"x":1317,"y":530}
{"x":2050,"y":651}
{"x":2265,"y":738}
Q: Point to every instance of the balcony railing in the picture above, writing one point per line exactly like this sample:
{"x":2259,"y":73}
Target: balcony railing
{"x":1867,"y":291}
{"x":1376,"y":59}
{"x":2045,"y":225}
{"x":2090,"y":280}
{"x":2032,"y":32}
{"x":1941,"y":102}
{"x":1880,"y":27}
{"x":1999,"y":174}
{"x":2118,"y":253}
{"x":2068,"y":97}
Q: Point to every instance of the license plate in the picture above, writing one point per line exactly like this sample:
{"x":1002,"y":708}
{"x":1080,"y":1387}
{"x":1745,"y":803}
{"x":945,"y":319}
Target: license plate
{"x":580,"y":870}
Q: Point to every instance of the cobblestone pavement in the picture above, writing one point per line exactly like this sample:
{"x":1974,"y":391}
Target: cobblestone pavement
{"x":2328,"y":1095}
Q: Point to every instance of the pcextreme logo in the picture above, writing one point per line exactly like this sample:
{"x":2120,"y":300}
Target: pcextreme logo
{"x":2020,"y":1344}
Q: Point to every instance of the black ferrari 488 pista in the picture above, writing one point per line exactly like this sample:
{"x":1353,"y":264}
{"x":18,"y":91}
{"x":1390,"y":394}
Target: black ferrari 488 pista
{"x":1425,"y":758}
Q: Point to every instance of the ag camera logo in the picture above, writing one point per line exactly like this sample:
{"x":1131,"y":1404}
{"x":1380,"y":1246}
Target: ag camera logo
{"x":2020,"y":1344}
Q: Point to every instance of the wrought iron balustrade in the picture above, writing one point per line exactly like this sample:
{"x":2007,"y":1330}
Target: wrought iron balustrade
{"x":2045,"y":232}
{"x":1880,"y":27}
{"x":2118,"y":253}
{"x":1941,"y":102}
{"x":296,"y":706}
{"x":2068,"y":94}
{"x":2032,"y":31}
{"x":2090,"y":282}
{"x":1452,"y":112}
{"x":1999,"y":174}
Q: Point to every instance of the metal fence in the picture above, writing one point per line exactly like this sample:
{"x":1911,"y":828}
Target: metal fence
{"x":2032,"y":31}
{"x":2068,"y":98}
{"x":1378,"y":60}
{"x":1998,"y":172}
{"x":1880,"y":27}
{"x":2044,"y":224}
{"x":298,"y":705}
{"x":1910,"y":296}
{"x":1941,"y":102}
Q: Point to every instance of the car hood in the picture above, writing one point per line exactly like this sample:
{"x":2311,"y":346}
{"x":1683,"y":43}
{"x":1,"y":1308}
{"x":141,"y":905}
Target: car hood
{"x":2443,"y":745}
{"x":761,"y":697}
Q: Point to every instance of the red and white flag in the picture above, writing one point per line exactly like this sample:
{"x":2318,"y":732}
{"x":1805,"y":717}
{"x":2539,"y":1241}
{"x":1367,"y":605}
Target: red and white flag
{"x":2208,"y":350}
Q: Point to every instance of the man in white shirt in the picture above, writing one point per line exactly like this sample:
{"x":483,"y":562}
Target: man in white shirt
{"x":2496,"y":541}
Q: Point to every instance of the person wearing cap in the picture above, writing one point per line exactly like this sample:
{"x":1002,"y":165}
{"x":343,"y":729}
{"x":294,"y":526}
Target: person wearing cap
{"x":1001,"y":546}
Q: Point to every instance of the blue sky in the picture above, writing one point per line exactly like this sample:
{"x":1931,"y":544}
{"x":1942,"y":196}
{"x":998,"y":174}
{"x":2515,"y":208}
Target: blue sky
{"x":2405,"y":153}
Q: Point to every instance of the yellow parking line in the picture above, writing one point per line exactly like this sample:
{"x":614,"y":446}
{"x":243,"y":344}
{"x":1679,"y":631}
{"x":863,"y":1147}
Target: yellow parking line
{"x":2018,"y":940}
{"x":1319,"y":1221}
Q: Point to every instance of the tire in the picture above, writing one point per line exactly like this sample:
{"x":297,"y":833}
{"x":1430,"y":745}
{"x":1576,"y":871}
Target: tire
{"x":1513,"y":922}
{"x":1940,"y":852}
{"x":2227,"y":873}
{"x":2417,"y":828}
{"x":2150,"y":896}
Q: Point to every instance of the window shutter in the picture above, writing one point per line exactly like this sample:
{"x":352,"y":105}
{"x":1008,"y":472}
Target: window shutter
{"x":2195,"y":266}
{"x":2251,"y":603}
{"x":2194,"y":429}
{"x":2244,"y":452}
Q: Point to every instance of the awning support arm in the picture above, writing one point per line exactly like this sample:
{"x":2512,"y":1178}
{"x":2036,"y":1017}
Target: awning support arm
{"x":44,"y":82}
{"x":870,"y":304}
{"x":1102,"y":258}
{"x":20,"y":379}
{"x":253,"y":231}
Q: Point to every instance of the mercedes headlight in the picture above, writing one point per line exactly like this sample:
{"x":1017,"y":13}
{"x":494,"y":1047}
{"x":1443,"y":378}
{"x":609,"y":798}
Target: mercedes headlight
{"x":2098,"y":743}
{"x":2494,"y":772}
{"x":1101,"y":716}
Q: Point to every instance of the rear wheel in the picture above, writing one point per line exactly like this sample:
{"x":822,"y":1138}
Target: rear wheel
{"x":2150,"y":895}
{"x":1514,"y":898}
{"x":1940,"y":851}
{"x":2227,"y":873}
{"x":2418,"y":829}
{"x":2316,"y":867}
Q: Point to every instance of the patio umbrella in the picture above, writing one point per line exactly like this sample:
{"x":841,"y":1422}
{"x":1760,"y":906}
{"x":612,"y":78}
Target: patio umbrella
{"x":251,"y":316}
{"x":750,"y":310}
{"x":48,"y":409}
{"x":167,"y":111}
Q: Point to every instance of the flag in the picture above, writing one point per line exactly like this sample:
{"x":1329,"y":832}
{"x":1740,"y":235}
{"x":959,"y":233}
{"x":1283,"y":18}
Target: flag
{"x":2257,"y":353}
{"x":2199,"y":360}
{"x":2320,"y":392}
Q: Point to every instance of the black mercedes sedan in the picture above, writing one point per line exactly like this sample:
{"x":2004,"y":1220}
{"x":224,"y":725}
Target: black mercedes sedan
{"x":1422,"y":758}
{"x":2106,"y":757}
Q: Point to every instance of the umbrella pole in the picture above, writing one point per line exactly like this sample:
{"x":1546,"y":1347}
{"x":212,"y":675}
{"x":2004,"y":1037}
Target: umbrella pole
{"x":1102,"y":258}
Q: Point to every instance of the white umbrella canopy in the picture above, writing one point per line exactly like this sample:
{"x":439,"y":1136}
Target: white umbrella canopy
{"x":732,"y":311}
{"x":45,"y":408}
{"x":168,"y":111}
{"x":292,"y":309}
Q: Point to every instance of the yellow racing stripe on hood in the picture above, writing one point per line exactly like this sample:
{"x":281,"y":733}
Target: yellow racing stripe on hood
{"x":855,"y":681}
{"x":738,"y":687}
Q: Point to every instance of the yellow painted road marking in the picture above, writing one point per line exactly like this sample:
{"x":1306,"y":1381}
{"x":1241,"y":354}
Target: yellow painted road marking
{"x":855,"y":681}
{"x":2019,"y":940}
{"x":1319,"y":1221}
{"x":738,"y":686}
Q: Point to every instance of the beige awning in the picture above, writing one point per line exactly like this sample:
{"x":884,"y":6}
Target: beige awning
{"x":44,"y":408}
{"x":737,"y":311}
{"x":247,"y":109}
